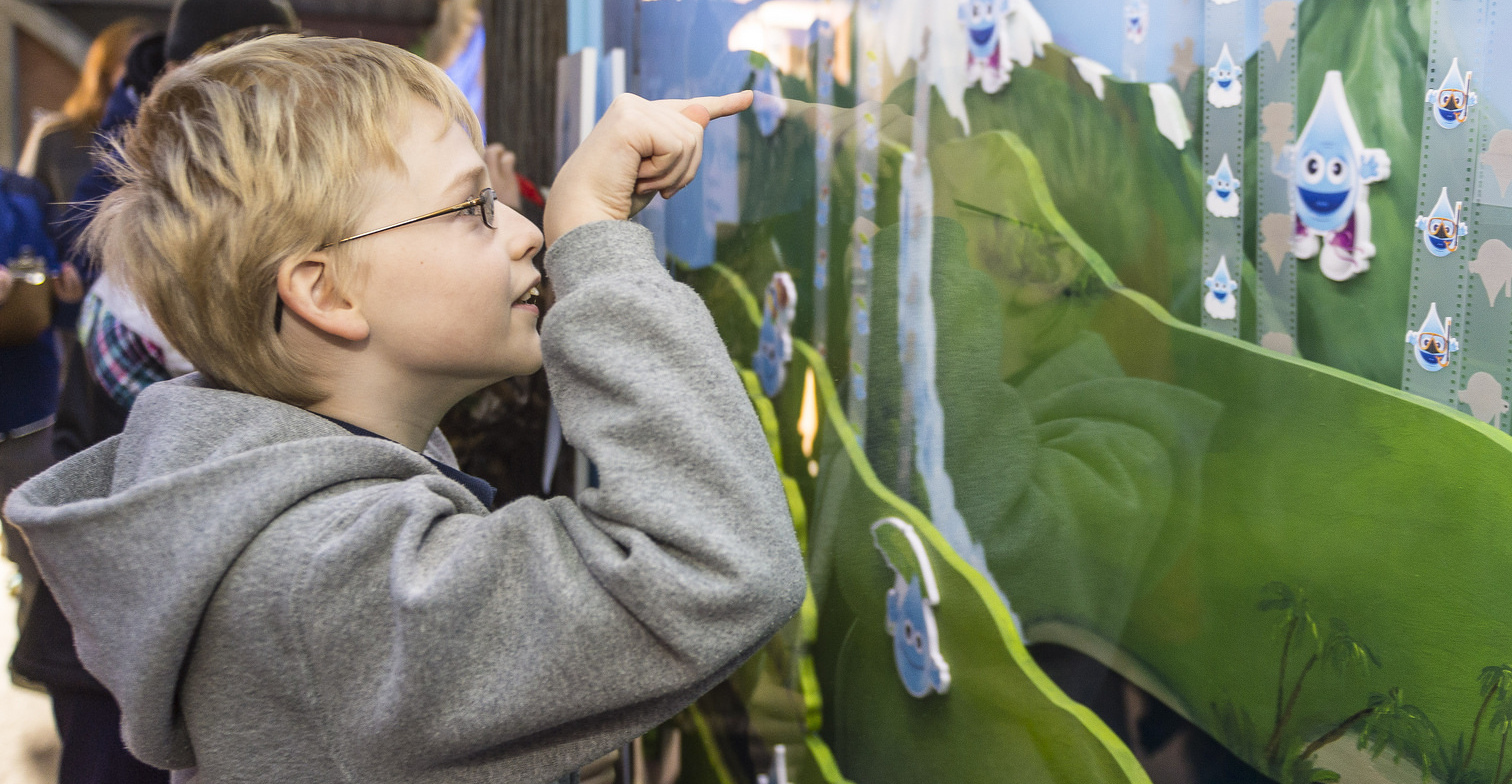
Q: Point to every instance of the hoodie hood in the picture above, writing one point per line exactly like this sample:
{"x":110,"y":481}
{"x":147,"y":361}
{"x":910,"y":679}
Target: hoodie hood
{"x":135,"y":534}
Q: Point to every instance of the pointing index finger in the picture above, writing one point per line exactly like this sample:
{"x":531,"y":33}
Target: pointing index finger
{"x":705,"y":109}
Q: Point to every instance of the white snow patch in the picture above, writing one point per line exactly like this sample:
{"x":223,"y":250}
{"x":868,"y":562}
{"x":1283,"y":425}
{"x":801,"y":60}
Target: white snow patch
{"x":1170,"y":118}
{"x":1022,"y":33}
{"x":1092,"y":72}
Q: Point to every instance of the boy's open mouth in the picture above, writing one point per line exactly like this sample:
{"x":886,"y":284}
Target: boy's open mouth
{"x":530,"y":297}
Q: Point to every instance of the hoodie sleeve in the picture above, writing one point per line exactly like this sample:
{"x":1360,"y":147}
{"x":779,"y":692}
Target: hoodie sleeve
{"x":538,"y":637}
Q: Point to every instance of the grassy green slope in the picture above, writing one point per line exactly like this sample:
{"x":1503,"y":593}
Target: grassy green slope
{"x":999,"y":699}
{"x":1379,"y":505}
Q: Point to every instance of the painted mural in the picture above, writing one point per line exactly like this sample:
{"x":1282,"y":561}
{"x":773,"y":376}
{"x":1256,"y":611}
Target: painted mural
{"x":1089,"y":505}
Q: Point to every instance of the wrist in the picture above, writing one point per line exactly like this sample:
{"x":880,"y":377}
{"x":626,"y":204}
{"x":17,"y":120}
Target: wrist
{"x":571,"y":207}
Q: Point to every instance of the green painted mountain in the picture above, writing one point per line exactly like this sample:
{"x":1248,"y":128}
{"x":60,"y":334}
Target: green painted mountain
{"x":1288,"y":553}
{"x":1137,"y":200}
{"x":1137,"y":482}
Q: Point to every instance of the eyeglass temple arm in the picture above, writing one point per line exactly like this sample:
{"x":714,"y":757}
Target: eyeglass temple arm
{"x":438,"y":213}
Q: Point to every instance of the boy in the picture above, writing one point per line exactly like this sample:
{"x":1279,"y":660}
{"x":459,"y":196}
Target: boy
{"x":277,"y":569}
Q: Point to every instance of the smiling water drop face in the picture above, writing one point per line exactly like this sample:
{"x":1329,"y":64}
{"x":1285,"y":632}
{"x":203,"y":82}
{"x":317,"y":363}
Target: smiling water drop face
{"x":1329,"y":169}
{"x":1442,"y":228}
{"x":1221,"y":301}
{"x":1452,"y":100}
{"x":1223,"y":191}
{"x":1225,"y":81}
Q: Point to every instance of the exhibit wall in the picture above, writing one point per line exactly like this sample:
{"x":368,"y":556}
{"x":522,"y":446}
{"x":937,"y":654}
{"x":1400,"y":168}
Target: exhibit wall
{"x":1174,"y":334}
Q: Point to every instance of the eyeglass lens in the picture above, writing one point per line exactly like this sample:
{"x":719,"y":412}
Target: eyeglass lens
{"x":488,"y":207}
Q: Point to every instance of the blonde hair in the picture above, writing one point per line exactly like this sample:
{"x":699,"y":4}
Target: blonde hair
{"x":86,"y":105}
{"x":241,"y":160}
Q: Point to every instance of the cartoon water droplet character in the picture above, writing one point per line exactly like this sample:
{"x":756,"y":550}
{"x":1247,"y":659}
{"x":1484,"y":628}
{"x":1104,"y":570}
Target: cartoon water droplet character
{"x":910,"y":608}
{"x":1221,"y":302}
{"x":985,"y":59}
{"x":774,"y":348}
{"x":821,"y":270}
{"x":768,"y":104}
{"x":1494,"y":265}
{"x":863,"y":319}
{"x":1431,"y":343}
{"x":1483,"y":395}
{"x":1226,"y":81}
{"x":1443,"y":228}
{"x":1452,"y":100}
{"x":858,"y":384}
{"x":822,"y":210}
{"x":1329,"y":170}
{"x":1223,"y":198}
{"x":868,"y":192}
{"x":863,"y":252}
{"x":1136,"y":20}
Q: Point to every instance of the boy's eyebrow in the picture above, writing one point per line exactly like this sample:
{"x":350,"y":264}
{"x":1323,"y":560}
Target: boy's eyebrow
{"x":472,"y":179}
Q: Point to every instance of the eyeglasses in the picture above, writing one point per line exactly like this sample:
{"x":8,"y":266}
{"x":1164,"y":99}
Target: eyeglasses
{"x":482,"y":206}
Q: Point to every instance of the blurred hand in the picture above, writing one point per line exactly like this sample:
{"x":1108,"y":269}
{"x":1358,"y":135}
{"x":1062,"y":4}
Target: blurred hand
{"x":7,"y":281}
{"x":68,"y":287}
{"x":639,"y":149}
{"x":501,"y":172}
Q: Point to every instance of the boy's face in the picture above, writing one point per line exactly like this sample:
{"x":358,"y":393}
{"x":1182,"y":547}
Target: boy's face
{"x":444,"y":297}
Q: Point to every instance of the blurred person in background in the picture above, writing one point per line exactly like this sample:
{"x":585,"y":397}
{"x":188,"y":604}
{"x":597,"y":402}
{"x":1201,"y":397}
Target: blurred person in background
{"x":57,"y":149}
{"x":32,"y":292}
{"x":119,"y":343}
{"x":28,"y":345}
{"x":455,"y":44}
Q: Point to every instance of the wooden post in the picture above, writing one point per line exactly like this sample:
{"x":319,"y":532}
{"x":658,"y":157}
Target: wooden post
{"x":10,"y":124}
{"x":525,"y":38}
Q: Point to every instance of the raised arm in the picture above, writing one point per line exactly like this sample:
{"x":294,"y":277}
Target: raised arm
{"x":532,"y":639}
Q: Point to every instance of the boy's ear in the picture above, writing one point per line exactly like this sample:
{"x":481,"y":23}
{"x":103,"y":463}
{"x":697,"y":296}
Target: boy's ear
{"x":309,"y":291}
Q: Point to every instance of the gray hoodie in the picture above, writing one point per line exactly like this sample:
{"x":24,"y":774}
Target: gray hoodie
{"x":271,"y":598}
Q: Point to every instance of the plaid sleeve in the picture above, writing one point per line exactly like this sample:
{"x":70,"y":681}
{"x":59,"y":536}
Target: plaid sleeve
{"x":123,"y":362}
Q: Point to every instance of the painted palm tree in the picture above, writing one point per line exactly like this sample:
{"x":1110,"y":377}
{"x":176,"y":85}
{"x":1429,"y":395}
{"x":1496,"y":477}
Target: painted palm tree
{"x":1296,"y":617}
{"x":1342,"y":653}
{"x":1404,"y":727}
{"x":1495,"y":683}
{"x":1501,"y":722}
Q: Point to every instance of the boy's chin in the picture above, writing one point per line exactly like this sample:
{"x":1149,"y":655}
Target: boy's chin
{"x":523,"y":367}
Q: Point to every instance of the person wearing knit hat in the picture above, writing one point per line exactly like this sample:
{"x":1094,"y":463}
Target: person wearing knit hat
{"x":195,"y":23}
